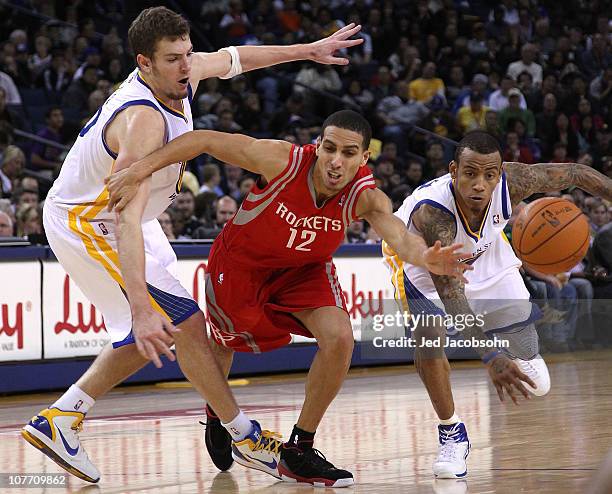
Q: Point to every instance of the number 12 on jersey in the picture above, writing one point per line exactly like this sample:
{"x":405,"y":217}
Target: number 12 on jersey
{"x":308,"y":237}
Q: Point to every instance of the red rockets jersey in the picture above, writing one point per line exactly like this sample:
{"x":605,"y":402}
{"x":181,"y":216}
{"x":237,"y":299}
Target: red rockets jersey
{"x":281,"y":226}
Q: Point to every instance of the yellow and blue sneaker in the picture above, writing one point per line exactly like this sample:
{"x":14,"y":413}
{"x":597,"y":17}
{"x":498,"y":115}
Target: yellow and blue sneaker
{"x":55,"y":433}
{"x":259,"y":450}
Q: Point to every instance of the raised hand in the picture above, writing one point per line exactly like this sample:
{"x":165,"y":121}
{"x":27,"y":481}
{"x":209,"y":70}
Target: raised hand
{"x":323,"y":51}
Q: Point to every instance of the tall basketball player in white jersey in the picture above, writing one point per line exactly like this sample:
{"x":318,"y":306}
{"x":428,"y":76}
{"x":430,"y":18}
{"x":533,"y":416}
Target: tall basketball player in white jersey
{"x":123,"y":263}
{"x":471,"y":205}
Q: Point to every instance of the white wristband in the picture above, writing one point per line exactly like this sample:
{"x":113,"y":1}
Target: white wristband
{"x":236,"y":68}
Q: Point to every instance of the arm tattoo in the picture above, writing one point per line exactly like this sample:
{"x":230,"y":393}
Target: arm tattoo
{"x":435,"y":224}
{"x":525,"y":180}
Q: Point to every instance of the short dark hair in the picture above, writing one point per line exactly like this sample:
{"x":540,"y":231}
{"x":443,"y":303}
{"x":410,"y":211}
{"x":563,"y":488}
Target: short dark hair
{"x":350,"y":120}
{"x":480,"y":141}
{"x":151,"y":26}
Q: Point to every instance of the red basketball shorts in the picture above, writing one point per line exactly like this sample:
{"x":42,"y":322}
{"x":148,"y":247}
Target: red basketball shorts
{"x":249,"y":309}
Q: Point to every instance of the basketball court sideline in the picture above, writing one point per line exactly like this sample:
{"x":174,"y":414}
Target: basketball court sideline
{"x":381,"y":427}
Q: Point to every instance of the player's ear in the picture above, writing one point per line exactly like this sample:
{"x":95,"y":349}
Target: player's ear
{"x":452,"y":168}
{"x":366,"y":157}
{"x":144,"y":63}
{"x":318,"y":145}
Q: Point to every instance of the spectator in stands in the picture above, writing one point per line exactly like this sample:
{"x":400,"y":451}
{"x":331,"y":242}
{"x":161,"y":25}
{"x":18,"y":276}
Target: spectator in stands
{"x":499,"y":99}
{"x":24,"y":197}
{"x":563,"y":133}
{"x":427,"y":86}
{"x":398,"y":114}
{"x":598,"y":57}
{"x":440,"y":120}
{"x":165,"y":220}
{"x":497,"y":27}
{"x":246,"y":183}
{"x":28,"y":183}
{"x":542,"y":37}
{"x":514,"y":151}
{"x":225,"y":209}
{"x":472,"y":117}
{"x":492,"y":124}
{"x":456,"y":85}
{"x":211,"y":178}
{"x":6,"y":225}
{"x":435,"y":158}
{"x":479,"y":86}
{"x":184,"y":206}
{"x":12,"y":95}
{"x":320,"y":78}
{"x":527,"y":63}
{"x":559,"y":153}
{"x":46,"y":158}
{"x":357,"y":96}
{"x":547,"y":118}
{"x":13,"y":162}
{"x":55,"y":77}
{"x":41,"y":57}
{"x":355,"y":233}
{"x":29,"y":220}
{"x":383,"y":83}
{"x":414,"y":175}
{"x":9,"y":115}
{"x":77,"y":94}
{"x":598,"y":214}
{"x":601,"y":90}
{"x":515,"y":112}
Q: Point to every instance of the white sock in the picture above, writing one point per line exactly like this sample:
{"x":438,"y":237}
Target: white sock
{"x":74,"y":399}
{"x":239,"y":427}
{"x":453,"y":420}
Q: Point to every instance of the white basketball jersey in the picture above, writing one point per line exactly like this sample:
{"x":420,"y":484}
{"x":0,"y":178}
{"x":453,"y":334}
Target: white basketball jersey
{"x":490,"y":252}
{"x":80,"y":186}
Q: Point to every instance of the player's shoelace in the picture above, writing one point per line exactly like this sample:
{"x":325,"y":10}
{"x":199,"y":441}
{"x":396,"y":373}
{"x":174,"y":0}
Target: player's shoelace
{"x":268,"y":441}
{"x":449,"y":438}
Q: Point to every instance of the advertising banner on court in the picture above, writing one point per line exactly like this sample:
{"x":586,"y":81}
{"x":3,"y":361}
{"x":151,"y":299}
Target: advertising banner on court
{"x":73,"y":327}
{"x":20,"y":305}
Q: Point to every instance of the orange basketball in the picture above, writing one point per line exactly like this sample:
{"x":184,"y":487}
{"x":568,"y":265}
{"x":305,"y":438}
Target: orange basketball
{"x":551,"y":235}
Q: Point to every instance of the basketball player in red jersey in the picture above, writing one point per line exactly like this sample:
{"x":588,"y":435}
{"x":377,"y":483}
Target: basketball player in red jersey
{"x":270,"y":271}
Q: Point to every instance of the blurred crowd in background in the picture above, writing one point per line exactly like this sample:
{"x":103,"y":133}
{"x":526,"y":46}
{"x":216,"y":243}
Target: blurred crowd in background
{"x":536,"y":74}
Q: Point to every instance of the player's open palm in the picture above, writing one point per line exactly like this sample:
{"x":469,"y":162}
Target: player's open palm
{"x":446,"y":260}
{"x":153,"y":336}
{"x":122,"y":187}
{"x":506,"y":376}
{"x":323,"y":51}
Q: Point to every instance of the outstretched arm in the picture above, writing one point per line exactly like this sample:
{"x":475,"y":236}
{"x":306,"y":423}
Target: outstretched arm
{"x":525,"y":180}
{"x":266,"y":157}
{"x":219,"y":64}
{"x":374,"y":206}
{"x":438,"y":226}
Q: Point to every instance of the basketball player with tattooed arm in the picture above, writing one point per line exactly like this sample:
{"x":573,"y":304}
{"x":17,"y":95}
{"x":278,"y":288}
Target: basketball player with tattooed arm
{"x":471,"y":205}
{"x":124,"y":264}
{"x":270,"y":271}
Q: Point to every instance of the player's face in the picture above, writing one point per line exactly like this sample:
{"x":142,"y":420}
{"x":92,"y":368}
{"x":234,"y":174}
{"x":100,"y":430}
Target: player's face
{"x":475,"y":177}
{"x":340,"y":153}
{"x":169,"y":69}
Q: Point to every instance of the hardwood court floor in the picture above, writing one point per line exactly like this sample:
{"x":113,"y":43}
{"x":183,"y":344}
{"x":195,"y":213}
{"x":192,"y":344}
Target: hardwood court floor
{"x":381,"y":427}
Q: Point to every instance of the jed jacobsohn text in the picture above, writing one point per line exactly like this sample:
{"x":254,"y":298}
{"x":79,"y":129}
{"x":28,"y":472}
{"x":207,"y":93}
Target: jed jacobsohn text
{"x":409,"y":320}
{"x":407,"y":342}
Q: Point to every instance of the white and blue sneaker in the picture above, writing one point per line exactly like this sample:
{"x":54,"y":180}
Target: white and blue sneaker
{"x":55,"y":433}
{"x":453,"y":451}
{"x":259,"y":450}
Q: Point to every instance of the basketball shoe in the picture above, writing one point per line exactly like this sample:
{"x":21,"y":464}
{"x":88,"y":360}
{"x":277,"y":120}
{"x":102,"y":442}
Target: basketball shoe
{"x":55,"y":433}
{"x":218,"y":441}
{"x":453,"y":451}
{"x":537,"y":370}
{"x":259,"y":450}
{"x":309,"y":466}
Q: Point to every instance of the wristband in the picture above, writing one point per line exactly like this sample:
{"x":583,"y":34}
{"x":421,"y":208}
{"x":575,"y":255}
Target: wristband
{"x":236,"y":67}
{"x":487,"y":357}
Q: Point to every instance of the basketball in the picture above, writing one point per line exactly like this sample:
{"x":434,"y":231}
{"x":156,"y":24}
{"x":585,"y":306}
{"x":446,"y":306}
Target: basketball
{"x":551,"y":235}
